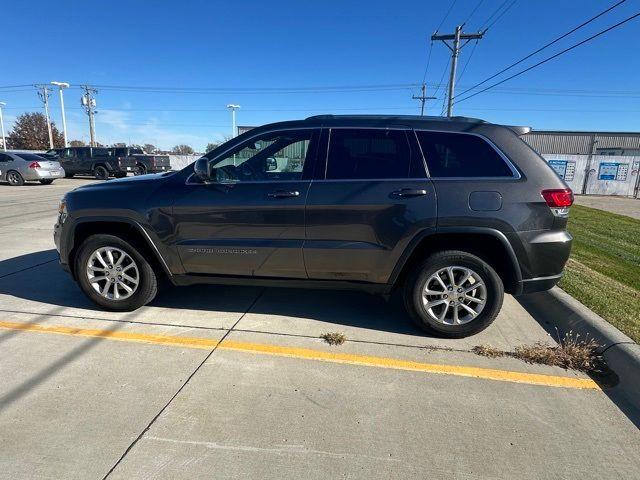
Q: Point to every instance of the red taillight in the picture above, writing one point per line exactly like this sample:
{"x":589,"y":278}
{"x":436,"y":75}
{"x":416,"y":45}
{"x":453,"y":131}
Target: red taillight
{"x":34,"y":165}
{"x":558,"y":198}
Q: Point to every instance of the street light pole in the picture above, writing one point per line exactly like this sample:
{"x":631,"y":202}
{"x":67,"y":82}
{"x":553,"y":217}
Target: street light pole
{"x":4,"y":141}
{"x":61,"y":86}
{"x":233,"y":109}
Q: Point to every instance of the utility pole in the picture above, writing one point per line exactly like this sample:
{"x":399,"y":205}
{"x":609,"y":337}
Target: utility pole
{"x":43,"y":93}
{"x":423,"y":97}
{"x":4,"y":140}
{"x":89,"y":104}
{"x":455,"y":52}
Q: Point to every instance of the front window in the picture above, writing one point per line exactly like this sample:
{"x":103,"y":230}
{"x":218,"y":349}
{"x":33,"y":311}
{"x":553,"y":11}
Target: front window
{"x":274,"y":156}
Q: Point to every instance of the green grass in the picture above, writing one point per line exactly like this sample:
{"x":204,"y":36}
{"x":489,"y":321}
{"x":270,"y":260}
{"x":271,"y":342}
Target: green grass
{"x":604,"y":269}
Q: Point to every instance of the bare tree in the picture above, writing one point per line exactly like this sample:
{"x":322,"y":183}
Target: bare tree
{"x":149,"y":148}
{"x":182,"y":150}
{"x":77,"y":143}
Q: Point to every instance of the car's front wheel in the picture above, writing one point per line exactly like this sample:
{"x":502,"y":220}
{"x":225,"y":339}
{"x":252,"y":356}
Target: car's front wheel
{"x":453,"y":294}
{"x":113,"y":274}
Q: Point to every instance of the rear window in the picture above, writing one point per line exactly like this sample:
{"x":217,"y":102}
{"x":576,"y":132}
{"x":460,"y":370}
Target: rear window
{"x":30,"y":157}
{"x":461,"y":155}
{"x":368,"y":154}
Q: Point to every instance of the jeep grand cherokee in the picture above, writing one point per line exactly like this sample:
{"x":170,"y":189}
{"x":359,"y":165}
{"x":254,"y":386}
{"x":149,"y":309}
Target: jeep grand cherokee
{"x":450,"y":212}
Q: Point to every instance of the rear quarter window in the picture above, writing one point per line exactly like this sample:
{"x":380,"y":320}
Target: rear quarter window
{"x":458,"y":155}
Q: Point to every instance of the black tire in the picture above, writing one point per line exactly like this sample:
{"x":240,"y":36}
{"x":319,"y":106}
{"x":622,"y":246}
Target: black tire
{"x":68,"y":175}
{"x":14,"y":178}
{"x":147,"y":280}
{"x":46,"y":181}
{"x":417,"y":281}
{"x":101,"y":173}
{"x":120,"y":175}
{"x":140,"y":169}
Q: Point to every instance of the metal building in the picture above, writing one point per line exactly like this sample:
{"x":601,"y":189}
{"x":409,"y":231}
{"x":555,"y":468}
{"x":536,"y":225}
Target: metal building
{"x":584,"y":143}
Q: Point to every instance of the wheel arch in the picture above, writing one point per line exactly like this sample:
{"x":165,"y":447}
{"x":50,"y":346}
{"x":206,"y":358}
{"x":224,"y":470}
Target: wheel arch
{"x":489,"y":244}
{"x":130,"y":231}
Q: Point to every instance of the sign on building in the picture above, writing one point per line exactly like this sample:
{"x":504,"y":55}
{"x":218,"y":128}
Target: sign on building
{"x":565,"y":169}
{"x":613,"y":171}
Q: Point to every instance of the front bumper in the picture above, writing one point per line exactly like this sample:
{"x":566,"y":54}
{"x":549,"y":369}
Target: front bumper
{"x":59,"y":231}
{"x":538,"y":284}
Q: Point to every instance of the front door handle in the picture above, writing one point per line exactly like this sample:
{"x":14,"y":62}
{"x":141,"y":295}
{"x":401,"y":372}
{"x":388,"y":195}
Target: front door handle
{"x":283,"y":194}
{"x":409,"y":192}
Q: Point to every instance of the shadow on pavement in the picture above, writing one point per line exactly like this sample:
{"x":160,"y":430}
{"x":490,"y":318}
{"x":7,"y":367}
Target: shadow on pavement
{"x":49,"y":284}
{"x":541,"y":312}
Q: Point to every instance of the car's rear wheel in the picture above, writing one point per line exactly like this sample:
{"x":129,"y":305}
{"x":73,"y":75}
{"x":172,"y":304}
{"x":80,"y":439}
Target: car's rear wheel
{"x":140,"y":170}
{"x":453,"y":294}
{"x":113,"y":274}
{"x":101,"y":173}
{"x":120,"y":175}
{"x":14,"y":178}
{"x":46,"y":181}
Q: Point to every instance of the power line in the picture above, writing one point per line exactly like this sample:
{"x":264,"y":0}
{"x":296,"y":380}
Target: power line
{"x":501,"y":15}
{"x":446,"y":15}
{"x":472,"y":12}
{"x":424,"y":77}
{"x":466,"y":64}
{"x":551,"y":57}
{"x":259,"y":90}
{"x":545,"y":46}
{"x":494,"y":13}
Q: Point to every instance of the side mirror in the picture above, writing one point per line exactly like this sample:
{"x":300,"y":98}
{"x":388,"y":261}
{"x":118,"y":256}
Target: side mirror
{"x":201,"y":169}
{"x":272,"y":164}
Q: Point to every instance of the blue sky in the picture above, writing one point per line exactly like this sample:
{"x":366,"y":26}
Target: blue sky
{"x":297,"y":44}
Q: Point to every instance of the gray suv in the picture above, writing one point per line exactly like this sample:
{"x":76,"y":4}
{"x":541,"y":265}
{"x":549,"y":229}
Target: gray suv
{"x":451,"y":213}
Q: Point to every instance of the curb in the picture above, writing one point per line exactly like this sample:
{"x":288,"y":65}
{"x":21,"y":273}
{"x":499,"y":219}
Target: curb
{"x":559,"y":310}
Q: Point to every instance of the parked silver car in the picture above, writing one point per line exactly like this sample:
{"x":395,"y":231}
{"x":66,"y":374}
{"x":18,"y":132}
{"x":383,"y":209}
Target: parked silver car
{"x":17,"y":168}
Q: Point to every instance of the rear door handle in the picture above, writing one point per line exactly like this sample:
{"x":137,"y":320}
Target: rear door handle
{"x":409,"y":192}
{"x":283,"y":194}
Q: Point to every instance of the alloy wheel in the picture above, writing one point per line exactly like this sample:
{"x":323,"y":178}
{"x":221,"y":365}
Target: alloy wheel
{"x":454,"y":295}
{"x":112,"y":273}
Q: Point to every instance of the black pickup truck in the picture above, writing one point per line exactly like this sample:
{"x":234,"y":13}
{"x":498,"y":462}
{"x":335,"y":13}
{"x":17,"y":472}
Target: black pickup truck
{"x":144,"y":163}
{"x":96,"y":161}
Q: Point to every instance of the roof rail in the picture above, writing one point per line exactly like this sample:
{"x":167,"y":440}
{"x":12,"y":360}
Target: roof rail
{"x":399,"y":117}
{"x":519,"y":130}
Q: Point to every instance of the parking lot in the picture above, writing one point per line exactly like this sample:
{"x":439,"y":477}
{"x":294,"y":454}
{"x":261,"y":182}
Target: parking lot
{"x":234,"y":382}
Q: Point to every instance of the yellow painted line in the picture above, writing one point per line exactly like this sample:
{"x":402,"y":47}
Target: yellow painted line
{"x":309,"y":354}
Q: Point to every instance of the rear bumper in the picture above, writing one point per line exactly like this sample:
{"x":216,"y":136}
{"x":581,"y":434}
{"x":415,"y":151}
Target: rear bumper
{"x":32,"y":174}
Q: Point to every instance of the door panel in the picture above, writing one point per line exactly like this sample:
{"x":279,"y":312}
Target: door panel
{"x":249,"y":220}
{"x":357,"y":230}
{"x":242,"y":229}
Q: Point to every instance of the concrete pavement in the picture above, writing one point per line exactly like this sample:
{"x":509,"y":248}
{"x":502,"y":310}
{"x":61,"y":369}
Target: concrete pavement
{"x":620,"y":205}
{"x":114,"y":404}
